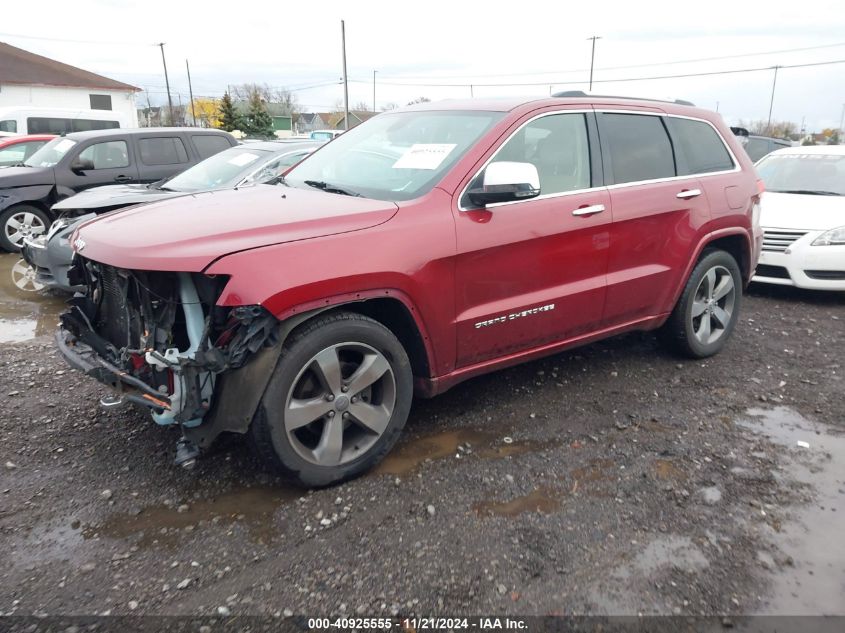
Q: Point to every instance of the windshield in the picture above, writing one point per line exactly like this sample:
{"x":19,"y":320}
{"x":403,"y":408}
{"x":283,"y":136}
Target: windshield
{"x":822,"y":174}
{"x":394,"y":156}
{"x":220,"y":171}
{"x":51,"y":153}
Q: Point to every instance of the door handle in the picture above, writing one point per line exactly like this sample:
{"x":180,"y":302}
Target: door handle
{"x":122,"y":179}
{"x":589,"y":210}
{"x":688,"y":193}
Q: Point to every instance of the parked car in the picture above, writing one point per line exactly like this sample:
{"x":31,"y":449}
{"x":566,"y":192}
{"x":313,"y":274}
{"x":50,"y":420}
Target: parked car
{"x":16,"y":149}
{"x":803,"y":218}
{"x":421,"y":248}
{"x":50,"y":254}
{"x":758,"y":146}
{"x":324,"y":135}
{"x":29,"y":120}
{"x":69,"y":164}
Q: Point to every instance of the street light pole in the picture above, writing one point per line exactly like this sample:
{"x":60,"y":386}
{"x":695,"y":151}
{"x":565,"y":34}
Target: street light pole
{"x":593,"y":57}
{"x":191,"y":94}
{"x":842,"y":121}
{"x":166,"y":83}
{"x":345,"y":84}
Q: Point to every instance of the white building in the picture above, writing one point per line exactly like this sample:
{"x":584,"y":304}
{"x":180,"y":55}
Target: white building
{"x":32,"y":81}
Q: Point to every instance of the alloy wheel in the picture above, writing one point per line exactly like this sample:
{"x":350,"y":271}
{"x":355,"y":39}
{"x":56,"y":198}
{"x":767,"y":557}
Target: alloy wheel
{"x":713,"y":305}
{"x":340,"y":404}
{"x":22,"y":225}
{"x":24,"y":277}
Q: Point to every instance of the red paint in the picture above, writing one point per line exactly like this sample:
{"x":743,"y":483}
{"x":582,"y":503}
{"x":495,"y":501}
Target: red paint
{"x":294,"y":250}
{"x":8,"y":141}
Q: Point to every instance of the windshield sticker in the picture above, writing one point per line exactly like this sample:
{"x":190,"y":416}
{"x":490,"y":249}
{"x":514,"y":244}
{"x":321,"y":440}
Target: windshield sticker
{"x":242,"y":159}
{"x":64,"y":145}
{"x":424,"y":156}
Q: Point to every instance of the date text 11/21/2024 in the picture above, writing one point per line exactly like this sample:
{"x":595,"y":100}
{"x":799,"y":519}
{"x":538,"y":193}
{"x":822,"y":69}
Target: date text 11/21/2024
{"x":419,"y":623}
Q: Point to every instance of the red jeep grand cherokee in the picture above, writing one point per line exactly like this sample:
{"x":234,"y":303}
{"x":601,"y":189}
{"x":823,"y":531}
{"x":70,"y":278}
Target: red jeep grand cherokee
{"x":424,"y":247}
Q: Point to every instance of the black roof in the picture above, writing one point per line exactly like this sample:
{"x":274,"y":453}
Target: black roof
{"x":140,"y":131}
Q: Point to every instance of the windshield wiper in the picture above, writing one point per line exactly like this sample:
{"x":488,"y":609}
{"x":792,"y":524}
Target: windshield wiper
{"x":809,"y":192}
{"x":321,"y":184}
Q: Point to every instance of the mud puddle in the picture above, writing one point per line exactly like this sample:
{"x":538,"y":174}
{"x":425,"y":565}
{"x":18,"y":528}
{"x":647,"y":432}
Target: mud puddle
{"x":411,"y":454}
{"x":254,"y":508}
{"x":812,"y":539}
{"x":27,"y":310}
{"x":543,"y":500}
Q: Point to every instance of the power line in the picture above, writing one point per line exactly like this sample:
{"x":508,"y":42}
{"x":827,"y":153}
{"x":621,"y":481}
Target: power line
{"x":647,"y":65}
{"x":599,"y":81}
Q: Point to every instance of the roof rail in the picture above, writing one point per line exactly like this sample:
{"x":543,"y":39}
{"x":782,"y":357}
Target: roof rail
{"x":581,"y":93}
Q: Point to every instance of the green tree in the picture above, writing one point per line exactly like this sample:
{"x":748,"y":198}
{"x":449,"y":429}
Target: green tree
{"x":258,"y":121}
{"x":228,"y":117}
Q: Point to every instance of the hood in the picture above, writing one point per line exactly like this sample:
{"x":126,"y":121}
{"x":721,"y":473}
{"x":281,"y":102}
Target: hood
{"x":113,"y":196}
{"x":26,"y":176}
{"x":189,"y":232}
{"x":801,"y":211}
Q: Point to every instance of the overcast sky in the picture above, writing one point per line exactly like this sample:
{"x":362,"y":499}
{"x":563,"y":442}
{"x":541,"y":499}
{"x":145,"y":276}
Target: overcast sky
{"x":297,"y":45}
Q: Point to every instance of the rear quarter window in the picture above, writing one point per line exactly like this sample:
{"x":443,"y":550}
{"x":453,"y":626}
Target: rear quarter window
{"x":209,"y":144}
{"x":638,"y":147}
{"x":700,"y":146}
{"x":162,"y":151}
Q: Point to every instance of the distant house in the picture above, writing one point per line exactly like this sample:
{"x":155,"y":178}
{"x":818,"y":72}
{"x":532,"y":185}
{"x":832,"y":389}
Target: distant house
{"x":32,"y":81}
{"x":282,"y":120}
{"x":307,"y":122}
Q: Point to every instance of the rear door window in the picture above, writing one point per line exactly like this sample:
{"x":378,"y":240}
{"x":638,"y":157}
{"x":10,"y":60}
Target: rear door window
{"x":209,"y":144}
{"x":169,"y":150}
{"x":47,"y":125}
{"x":700,"y":146}
{"x":638,"y":147}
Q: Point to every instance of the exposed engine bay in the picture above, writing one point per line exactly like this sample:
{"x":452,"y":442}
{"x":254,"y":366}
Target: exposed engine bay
{"x":159,"y":338}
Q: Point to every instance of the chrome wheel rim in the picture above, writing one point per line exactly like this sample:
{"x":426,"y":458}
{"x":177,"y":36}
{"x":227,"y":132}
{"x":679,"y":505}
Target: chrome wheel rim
{"x":713,"y":305}
{"x":340,"y":404}
{"x":23,"y":276}
{"x":22,"y":225}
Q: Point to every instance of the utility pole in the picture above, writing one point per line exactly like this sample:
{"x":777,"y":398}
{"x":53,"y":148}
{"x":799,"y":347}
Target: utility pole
{"x":772,"y":101}
{"x":191,"y":94}
{"x":166,"y":83}
{"x":345,"y":82}
{"x":593,"y":57}
{"x":842,"y":121}
{"x":374,"y":90}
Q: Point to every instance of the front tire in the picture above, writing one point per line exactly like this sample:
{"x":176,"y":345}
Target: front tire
{"x":707,"y":311}
{"x":337,"y":401}
{"x":19,"y":222}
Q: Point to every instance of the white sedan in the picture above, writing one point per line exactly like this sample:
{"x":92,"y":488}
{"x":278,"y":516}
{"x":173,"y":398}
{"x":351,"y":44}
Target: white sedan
{"x":803,"y":218}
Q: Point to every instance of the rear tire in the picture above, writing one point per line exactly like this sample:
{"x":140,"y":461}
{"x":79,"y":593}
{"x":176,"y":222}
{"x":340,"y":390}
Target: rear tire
{"x":336,"y":403}
{"x":708,"y":308}
{"x":21,"y":221}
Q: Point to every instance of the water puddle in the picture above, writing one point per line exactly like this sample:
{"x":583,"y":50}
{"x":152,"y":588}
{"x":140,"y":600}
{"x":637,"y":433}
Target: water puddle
{"x":543,"y":500}
{"x":26,"y":309}
{"x":409,"y":455}
{"x":162,"y":525}
{"x":813,"y":537}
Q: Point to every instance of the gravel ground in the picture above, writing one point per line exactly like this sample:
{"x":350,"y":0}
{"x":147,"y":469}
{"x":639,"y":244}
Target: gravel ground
{"x":611,"y":479}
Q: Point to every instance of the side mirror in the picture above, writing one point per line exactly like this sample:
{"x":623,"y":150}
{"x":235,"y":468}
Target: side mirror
{"x":506,"y":182}
{"x":78,"y":165}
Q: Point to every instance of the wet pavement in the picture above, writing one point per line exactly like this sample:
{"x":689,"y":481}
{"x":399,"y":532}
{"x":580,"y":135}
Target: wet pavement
{"x":614,"y":479}
{"x":812,"y":541}
{"x":27,"y":310}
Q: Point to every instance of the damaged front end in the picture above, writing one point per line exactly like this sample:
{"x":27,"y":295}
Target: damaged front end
{"x":161,"y":340}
